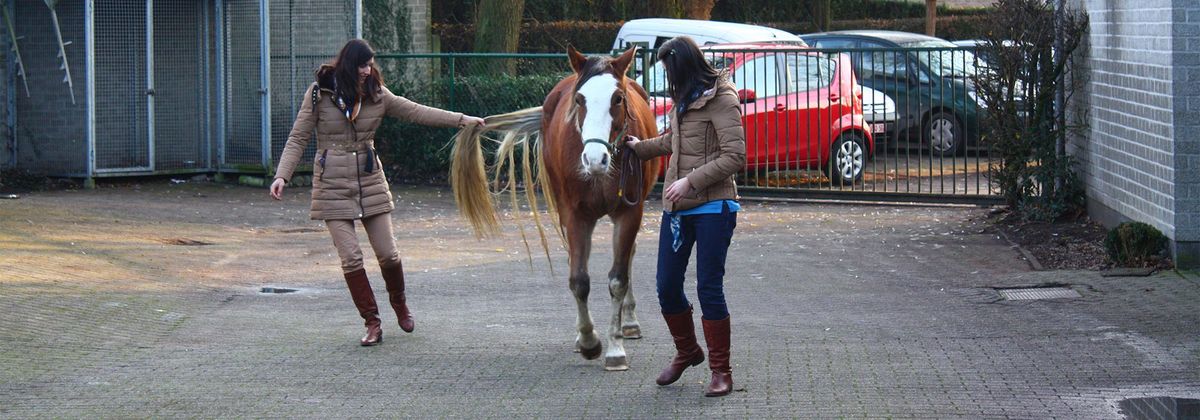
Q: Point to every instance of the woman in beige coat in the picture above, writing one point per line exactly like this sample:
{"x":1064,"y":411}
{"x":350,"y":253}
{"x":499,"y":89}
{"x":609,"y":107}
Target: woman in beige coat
{"x":707,"y":146}
{"x":345,"y":105}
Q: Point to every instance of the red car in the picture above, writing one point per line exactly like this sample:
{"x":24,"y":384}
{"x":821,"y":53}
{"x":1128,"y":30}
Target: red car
{"x":801,"y":110}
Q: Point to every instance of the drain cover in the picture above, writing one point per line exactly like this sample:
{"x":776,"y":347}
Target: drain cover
{"x":276,"y":290}
{"x":1039,"y":293}
{"x":1165,"y":408}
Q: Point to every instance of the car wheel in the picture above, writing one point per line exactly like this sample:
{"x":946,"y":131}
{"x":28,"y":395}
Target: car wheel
{"x":944,"y":134}
{"x":846,"y":160}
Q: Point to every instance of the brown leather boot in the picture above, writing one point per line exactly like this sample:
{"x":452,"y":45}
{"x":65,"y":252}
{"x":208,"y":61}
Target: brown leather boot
{"x":716,"y":335}
{"x":393,"y":275}
{"x":687,"y":351}
{"x":364,"y":299}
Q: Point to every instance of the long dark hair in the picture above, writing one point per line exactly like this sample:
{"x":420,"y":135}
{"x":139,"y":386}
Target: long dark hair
{"x":686,"y":68}
{"x":344,"y":70}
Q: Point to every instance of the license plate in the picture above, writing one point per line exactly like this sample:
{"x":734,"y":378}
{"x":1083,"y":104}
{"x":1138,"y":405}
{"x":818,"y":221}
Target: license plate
{"x":878,"y":128}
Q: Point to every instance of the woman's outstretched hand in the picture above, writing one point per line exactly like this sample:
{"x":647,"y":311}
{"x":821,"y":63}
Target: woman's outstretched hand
{"x":470,"y":120}
{"x":631,"y":140}
{"x":277,"y":188}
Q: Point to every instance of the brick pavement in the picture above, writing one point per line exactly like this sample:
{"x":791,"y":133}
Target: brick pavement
{"x":839,"y":311}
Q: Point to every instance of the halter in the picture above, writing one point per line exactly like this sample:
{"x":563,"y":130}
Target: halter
{"x":630,"y":165}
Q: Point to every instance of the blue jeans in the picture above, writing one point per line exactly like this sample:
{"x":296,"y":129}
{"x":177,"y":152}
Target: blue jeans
{"x":710,"y":234}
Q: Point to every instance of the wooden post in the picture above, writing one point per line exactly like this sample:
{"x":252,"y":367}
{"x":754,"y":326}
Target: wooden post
{"x":930,"y":17}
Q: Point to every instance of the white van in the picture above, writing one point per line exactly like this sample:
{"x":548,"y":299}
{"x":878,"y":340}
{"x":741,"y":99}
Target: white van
{"x":651,"y":33}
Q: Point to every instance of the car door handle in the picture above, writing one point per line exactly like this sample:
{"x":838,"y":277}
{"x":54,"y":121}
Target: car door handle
{"x":780,"y":107}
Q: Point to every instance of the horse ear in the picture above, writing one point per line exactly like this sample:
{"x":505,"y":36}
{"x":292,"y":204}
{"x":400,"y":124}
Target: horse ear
{"x":577,"y":59}
{"x":621,"y":64}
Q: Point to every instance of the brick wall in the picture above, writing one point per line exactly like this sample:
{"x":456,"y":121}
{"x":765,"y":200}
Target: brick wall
{"x":419,"y":22}
{"x":1140,"y":156}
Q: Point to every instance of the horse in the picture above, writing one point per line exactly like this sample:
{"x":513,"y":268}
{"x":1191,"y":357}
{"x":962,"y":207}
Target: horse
{"x":584,"y":173}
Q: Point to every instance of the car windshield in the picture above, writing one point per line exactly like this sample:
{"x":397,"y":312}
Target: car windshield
{"x":956,"y":63}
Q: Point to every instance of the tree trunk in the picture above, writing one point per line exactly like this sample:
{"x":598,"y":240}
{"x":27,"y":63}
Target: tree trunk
{"x":498,"y":25}
{"x":822,"y":14}
{"x":498,"y":30}
{"x":930,"y":17}
{"x":698,"y":9}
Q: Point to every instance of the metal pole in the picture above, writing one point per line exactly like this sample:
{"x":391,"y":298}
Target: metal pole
{"x":221,"y":90}
{"x":264,"y":42}
{"x":150,"y":84}
{"x":89,"y":64}
{"x":206,"y":69}
{"x":358,"y":24}
{"x":1060,"y":132}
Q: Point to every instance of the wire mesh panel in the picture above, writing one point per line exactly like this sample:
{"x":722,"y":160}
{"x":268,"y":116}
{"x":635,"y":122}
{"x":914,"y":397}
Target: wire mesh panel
{"x":178,"y":85}
{"x":243,"y":84}
{"x":304,"y":34}
{"x":121,"y":127}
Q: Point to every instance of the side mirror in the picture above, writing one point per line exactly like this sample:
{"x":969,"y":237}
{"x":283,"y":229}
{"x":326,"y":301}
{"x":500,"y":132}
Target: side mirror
{"x":746,"y":95}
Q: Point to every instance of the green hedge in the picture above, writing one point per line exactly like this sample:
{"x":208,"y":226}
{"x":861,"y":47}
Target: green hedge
{"x":462,"y":11}
{"x":417,"y":153}
{"x":593,"y":37}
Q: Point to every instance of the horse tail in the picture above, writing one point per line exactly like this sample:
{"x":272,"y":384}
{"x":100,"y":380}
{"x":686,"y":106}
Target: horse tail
{"x":468,"y":170}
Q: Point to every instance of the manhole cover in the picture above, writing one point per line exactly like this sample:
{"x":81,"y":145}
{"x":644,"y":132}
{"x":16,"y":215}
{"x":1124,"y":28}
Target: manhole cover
{"x":277,"y":290}
{"x":1164,"y":408}
{"x":1039,"y":293}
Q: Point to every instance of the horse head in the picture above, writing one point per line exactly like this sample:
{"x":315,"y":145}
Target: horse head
{"x":599,"y":107}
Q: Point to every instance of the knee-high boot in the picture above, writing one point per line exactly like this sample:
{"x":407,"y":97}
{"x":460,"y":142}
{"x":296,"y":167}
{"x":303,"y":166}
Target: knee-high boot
{"x":687,"y":351}
{"x":716,"y":335}
{"x":393,"y":275}
{"x":364,"y":299}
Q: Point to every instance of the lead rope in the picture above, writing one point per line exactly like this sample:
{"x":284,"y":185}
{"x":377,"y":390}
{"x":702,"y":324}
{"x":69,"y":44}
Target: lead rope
{"x":630,"y":165}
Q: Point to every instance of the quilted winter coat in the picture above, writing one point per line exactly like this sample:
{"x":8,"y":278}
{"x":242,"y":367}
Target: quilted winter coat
{"x":348,"y":180}
{"x":707,"y":145}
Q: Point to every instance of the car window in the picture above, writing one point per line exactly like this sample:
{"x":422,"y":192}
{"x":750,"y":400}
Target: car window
{"x":808,"y":72}
{"x":892,"y":64}
{"x":655,"y":80}
{"x":833,"y":43}
{"x":958,"y":63}
{"x":760,"y":74}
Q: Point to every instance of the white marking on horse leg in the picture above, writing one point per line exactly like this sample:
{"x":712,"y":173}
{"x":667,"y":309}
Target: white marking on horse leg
{"x":630,"y":326}
{"x":614,"y":358}
{"x":586,"y":339}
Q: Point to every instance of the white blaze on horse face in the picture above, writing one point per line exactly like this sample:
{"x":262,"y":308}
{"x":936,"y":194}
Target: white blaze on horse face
{"x":597,"y":123}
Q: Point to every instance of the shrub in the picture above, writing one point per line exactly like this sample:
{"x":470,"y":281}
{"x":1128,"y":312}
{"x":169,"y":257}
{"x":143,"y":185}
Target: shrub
{"x":419,"y":153}
{"x":1135,"y":244}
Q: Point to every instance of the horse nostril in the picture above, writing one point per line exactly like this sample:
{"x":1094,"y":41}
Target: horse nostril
{"x":604,"y":160}
{"x":585,"y":159}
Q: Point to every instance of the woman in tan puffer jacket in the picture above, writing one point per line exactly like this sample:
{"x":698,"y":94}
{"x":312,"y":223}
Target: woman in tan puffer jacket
{"x":345,"y":105}
{"x":707,"y":146}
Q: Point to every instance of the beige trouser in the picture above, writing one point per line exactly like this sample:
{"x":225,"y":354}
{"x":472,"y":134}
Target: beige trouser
{"x":379,"y":233}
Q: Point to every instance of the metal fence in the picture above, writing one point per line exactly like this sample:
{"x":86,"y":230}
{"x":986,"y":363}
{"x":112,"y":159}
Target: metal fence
{"x":819,"y":121}
{"x":158,"y":87}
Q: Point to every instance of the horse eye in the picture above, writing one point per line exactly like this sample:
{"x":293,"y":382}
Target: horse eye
{"x":617,"y":100}
{"x":579,"y":99}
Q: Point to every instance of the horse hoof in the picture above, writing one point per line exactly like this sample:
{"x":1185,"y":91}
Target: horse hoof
{"x":617,"y":363}
{"x":631,"y":332}
{"x":592,"y":353}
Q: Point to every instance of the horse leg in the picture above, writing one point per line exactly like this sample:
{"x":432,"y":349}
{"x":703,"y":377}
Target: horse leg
{"x":621,"y":294}
{"x":625,"y":229}
{"x":579,"y":244}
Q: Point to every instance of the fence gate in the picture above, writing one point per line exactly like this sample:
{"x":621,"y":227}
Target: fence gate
{"x":150,"y":86}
